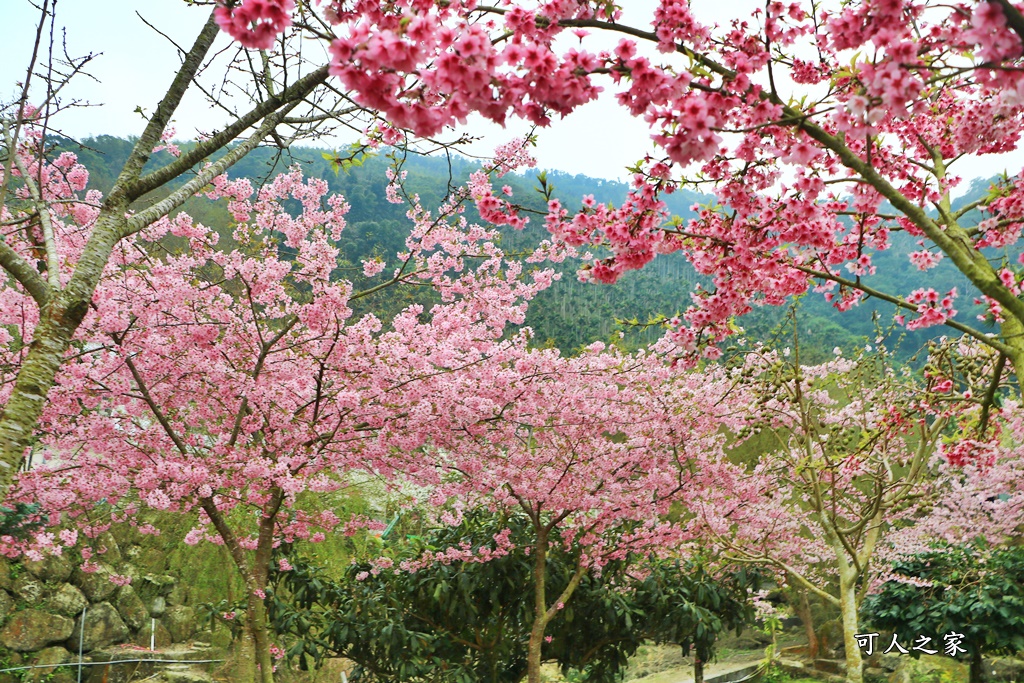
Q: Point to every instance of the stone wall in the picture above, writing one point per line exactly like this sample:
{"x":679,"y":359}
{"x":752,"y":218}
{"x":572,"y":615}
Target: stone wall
{"x":50,"y":609}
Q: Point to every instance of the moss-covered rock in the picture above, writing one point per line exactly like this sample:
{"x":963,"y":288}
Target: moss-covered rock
{"x":29,"y":589}
{"x":33,"y":629}
{"x":6,"y":605}
{"x":181,"y":622}
{"x":109,"y":548}
{"x":66,"y":600}
{"x":6,"y":580}
{"x":54,"y":656}
{"x":144,"y":637}
{"x":95,"y":585}
{"x":51,"y":569}
{"x":131,"y":608}
{"x":103,"y":626}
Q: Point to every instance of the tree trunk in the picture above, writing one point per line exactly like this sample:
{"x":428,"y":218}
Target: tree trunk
{"x":848,"y":605}
{"x":51,"y":339}
{"x":1013,"y":334}
{"x":698,"y":669}
{"x":540,"y":608}
{"x":257,"y":614}
{"x":245,"y":659}
{"x":977,"y":666}
{"x":261,"y":573}
{"x":803,"y":610}
{"x":255,"y":650}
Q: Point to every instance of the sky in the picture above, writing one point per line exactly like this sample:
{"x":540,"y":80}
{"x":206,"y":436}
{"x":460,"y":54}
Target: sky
{"x":134,"y":65}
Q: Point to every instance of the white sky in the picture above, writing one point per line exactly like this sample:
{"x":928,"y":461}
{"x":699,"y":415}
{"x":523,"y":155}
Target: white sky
{"x":137,"y":64}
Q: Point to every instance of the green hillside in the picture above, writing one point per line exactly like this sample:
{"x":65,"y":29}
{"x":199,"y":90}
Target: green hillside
{"x":570,"y":313}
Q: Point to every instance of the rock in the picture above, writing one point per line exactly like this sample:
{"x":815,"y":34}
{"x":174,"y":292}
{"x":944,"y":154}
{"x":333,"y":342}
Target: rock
{"x":11,"y":660}
{"x":746,"y":643}
{"x":1005,"y":669}
{"x":874,"y":674}
{"x":153,"y":586}
{"x":162,"y":584}
{"x":6,"y":604}
{"x":33,"y":629}
{"x":144,"y":637}
{"x":96,"y":585}
{"x":67,"y":600}
{"x":221,"y":638}
{"x":158,"y":607}
{"x":131,"y":608}
{"x":29,"y":589}
{"x":178,"y":595}
{"x":52,"y":568}
{"x":831,"y":666}
{"x":889,"y":663}
{"x":103,"y":626}
{"x":180,"y":622}
{"x":63,"y":676}
{"x":793,"y":667}
{"x":131,"y":570}
{"x":108,"y":548}
{"x":52,"y":655}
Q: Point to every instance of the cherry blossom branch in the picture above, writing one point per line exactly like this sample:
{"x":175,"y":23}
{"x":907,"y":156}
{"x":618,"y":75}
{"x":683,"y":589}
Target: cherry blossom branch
{"x":25,"y":274}
{"x":265,"y":347}
{"x":953,"y":241}
{"x":127,"y":187}
{"x":563,"y":598}
{"x":1013,"y":16}
{"x":230,"y":540}
{"x":22,"y":103}
{"x":902,"y":303}
{"x":157,"y":412}
{"x":990,"y":395}
{"x":45,"y":220}
{"x":146,"y":217}
{"x":747,"y":557}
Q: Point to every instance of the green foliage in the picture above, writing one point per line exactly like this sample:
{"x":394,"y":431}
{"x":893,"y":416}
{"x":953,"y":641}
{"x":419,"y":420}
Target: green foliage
{"x":222,"y":613}
{"x":976,"y":591}
{"x":774,"y":674}
{"x":20,"y":521}
{"x":470,"y":621}
{"x":354,"y":157}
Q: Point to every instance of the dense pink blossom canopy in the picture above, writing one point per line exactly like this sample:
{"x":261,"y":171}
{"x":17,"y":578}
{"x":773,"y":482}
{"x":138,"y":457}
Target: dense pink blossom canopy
{"x":804,"y":119}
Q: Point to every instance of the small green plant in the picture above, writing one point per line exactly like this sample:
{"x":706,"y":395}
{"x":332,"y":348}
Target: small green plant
{"x":7,"y":661}
{"x":62,"y":669}
{"x":772,"y":625}
{"x":773,"y":674}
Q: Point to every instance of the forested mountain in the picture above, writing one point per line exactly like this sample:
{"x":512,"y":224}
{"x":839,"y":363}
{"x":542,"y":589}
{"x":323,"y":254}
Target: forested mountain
{"x":570,"y":313}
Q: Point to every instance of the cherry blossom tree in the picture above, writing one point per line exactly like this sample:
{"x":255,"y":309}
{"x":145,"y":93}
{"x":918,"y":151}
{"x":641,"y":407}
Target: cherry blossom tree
{"x":227,"y":383}
{"x":261,"y":96}
{"x":850,"y":458}
{"x":823,"y":130}
{"x":592,"y":449}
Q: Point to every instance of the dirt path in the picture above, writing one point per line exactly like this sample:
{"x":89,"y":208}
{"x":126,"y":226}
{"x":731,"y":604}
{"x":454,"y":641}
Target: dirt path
{"x":685,"y":675}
